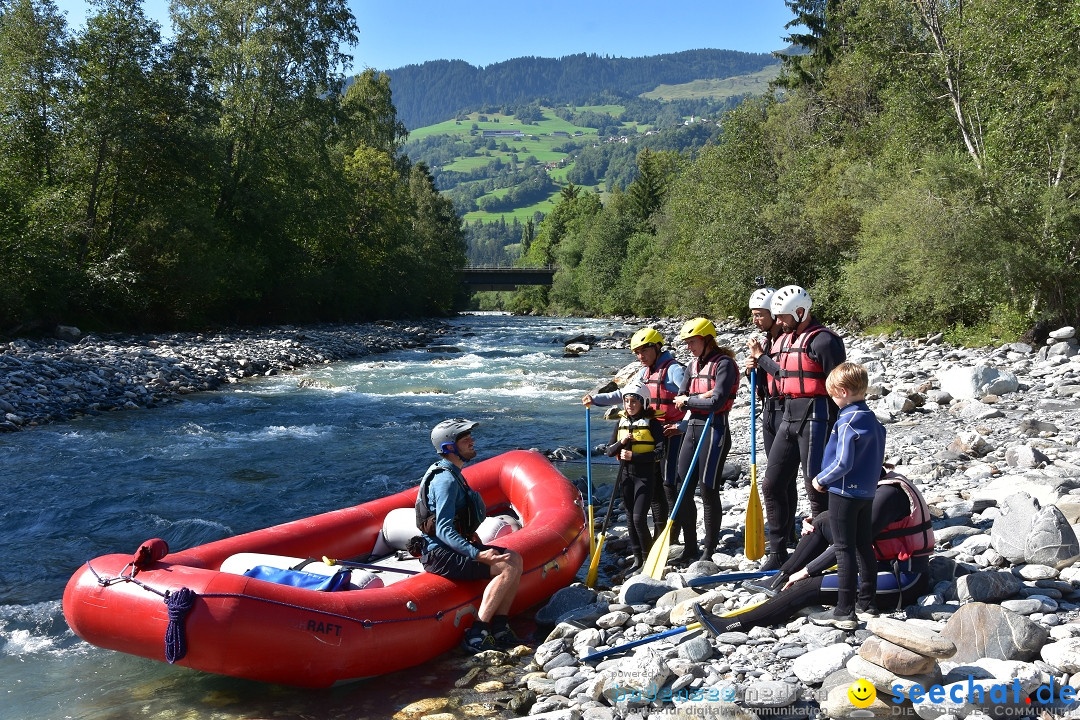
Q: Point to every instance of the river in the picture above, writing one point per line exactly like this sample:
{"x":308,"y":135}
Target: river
{"x":255,"y":454}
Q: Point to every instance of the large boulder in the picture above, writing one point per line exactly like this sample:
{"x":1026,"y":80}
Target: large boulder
{"x":976,"y":382}
{"x":988,"y":631}
{"x":1028,"y":532}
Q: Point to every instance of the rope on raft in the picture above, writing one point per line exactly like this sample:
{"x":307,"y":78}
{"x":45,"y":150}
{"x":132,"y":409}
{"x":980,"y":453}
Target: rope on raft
{"x":179,"y":603}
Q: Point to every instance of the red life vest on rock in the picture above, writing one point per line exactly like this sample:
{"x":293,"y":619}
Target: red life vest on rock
{"x":662,"y":398}
{"x":800,"y":375}
{"x":910,"y":536}
{"x":703,"y":377}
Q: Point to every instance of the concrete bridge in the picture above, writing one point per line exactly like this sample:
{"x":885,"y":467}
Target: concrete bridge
{"x":505,"y":278}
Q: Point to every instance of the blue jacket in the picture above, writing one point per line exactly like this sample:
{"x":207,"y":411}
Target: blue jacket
{"x":854,"y":454}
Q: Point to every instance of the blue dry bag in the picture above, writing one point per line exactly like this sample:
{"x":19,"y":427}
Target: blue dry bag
{"x":299,"y":578}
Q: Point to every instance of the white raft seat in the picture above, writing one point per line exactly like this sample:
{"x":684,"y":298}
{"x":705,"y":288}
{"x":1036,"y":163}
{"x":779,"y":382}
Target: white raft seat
{"x":398,"y":527}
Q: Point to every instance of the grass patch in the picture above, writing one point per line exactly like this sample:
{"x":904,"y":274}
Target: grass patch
{"x":737,"y":86}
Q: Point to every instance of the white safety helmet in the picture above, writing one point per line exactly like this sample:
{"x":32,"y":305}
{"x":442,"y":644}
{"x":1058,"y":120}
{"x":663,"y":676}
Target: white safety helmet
{"x":761,"y":299}
{"x":638,"y":390}
{"x":445,"y":435}
{"x":788,"y":299}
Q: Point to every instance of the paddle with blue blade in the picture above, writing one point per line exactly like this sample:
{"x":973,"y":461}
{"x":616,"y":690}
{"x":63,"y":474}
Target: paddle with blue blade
{"x":660,"y":636}
{"x":729,"y":577}
{"x":658,"y":554}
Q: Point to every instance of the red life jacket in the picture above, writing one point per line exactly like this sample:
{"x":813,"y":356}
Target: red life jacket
{"x":800,"y":375}
{"x":662,"y":398}
{"x":772,"y":349}
{"x":703,"y":377}
{"x":910,"y":536}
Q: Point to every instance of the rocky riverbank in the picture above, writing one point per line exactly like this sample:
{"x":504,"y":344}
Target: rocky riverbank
{"x":74,"y":374}
{"x":990,"y":435}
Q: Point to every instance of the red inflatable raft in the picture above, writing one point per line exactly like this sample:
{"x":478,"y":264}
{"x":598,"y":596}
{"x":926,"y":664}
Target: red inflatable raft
{"x":228,"y":623}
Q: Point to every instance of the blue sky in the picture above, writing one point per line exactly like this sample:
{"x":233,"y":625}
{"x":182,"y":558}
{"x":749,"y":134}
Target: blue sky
{"x":393,"y":34}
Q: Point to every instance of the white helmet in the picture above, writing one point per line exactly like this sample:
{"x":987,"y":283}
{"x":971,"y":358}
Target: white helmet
{"x":636,"y":388}
{"x":788,"y":299}
{"x":761,"y":298}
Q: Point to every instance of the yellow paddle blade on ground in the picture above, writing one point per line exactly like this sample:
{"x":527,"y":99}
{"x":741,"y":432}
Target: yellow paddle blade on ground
{"x":658,"y":554}
{"x":594,"y":562}
{"x":754,"y":531}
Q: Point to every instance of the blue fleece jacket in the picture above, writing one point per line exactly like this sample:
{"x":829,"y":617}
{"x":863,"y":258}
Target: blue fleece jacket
{"x":854,"y":453}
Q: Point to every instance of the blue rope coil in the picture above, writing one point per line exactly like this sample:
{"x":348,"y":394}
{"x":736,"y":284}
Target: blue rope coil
{"x":179,"y":603}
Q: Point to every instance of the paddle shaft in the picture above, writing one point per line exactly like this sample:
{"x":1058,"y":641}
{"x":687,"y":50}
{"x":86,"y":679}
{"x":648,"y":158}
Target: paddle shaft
{"x":642,"y":641}
{"x":690,"y":470}
{"x":594,"y":561}
{"x":753,"y":418}
{"x":368,"y":566}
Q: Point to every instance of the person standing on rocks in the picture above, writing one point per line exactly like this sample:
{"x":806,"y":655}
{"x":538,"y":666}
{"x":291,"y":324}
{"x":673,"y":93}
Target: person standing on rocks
{"x":638,"y":442}
{"x":767,"y":391}
{"x":708,"y":388}
{"x":661,"y":375}
{"x":853,"y":459}
{"x":903,"y":544}
{"x":767,"y":388}
{"x":806,"y":352}
{"x":448,"y":512}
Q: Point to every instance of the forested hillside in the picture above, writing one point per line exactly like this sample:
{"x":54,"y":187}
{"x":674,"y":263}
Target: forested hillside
{"x":920,"y":172}
{"x":440,"y":89}
{"x":218,"y":178}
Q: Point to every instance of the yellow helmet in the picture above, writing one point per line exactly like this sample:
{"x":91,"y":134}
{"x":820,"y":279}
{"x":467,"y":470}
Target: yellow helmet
{"x":697,"y":326}
{"x":646,"y":336}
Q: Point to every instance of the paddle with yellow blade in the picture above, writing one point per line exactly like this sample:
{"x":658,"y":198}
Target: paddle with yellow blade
{"x":754,"y":529}
{"x":658,"y":554}
{"x":588,"y":477}
{"x":594,"y":559}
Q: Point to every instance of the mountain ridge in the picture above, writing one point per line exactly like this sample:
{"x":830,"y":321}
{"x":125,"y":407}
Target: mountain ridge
{"x":436,"y":90}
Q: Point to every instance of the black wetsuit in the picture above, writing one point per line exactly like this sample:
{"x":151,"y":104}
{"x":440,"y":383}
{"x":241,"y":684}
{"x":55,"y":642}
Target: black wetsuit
{"x":801,"y":436}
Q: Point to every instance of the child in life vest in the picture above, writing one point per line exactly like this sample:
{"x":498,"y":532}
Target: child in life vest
{"x":638,"y":442}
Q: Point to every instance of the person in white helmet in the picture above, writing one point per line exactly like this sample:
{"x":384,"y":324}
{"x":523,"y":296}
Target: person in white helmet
{"x":448,"y":512}
{"x":767,"y":391}
{"x":638,"y":442}
{"x":661,"y":374}
{"x":806,"y":353}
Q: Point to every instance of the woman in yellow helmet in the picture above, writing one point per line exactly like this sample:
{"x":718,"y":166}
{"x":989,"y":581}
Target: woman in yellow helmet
{"x":708,"y":387}
{"x":661,"y":374}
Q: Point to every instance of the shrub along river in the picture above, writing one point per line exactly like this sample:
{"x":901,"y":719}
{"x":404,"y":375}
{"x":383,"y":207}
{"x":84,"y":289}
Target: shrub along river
{"x":255,"y":454}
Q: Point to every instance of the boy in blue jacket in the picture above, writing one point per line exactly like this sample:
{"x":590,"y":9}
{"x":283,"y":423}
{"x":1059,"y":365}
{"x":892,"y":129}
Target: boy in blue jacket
{"x":849,"y":473}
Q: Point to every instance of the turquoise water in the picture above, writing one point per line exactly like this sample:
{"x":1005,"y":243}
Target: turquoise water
{"x":256,"y":454}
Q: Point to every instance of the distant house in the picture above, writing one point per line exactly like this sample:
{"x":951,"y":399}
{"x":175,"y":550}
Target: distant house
{"x":504,"y":133}
{"x":560,"y":133}
{"x":578,"y":133}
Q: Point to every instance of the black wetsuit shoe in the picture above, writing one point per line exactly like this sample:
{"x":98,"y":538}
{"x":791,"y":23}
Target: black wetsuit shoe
{"x":768,"y":585}
{"x":828,"y":617}
{"x":774,"y":562}
{"x":707,"y":620}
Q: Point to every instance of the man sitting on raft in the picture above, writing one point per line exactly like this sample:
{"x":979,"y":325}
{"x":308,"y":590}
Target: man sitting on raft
{"x":448,"y":512}
{"x":903,"y":543}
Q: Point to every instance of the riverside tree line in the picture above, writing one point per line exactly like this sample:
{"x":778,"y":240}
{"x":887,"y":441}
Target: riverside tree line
{"x":918,"y":170}
{"x":218,"y":176}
